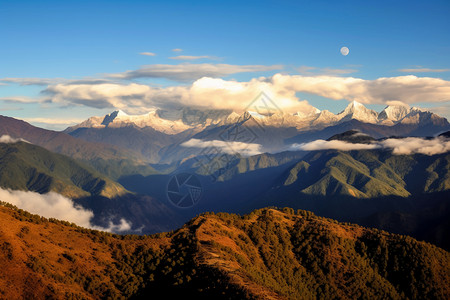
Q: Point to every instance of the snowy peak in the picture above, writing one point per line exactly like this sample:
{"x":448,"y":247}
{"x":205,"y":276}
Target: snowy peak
{"x":119,"y":118}
{"x":393,"y":113}
{"x":357,"y":111}
{"x":176,"y":121}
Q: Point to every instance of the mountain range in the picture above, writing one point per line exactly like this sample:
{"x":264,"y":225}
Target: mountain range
{"x":159,"y":136}
{"x":197,"y":120}
{"x":387,"y":170}
{"x":290,"y":178}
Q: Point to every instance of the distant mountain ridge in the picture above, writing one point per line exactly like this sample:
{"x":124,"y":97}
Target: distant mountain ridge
{"x":158,"y":135}
{"x":194,"y":119}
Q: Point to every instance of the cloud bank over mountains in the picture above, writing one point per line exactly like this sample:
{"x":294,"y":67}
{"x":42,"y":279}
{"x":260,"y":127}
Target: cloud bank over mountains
{"x":202,"y":85}
{"x":6,"y":139}
{"x":218,"y":93}
{"x":53,"y":205}
{"x":403,"y":146}
{"x":227,"y":147}
{"x":190,"y":72}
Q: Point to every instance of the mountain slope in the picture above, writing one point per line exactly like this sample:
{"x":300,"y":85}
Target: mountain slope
{"x":361,"y":175}
{"x":371,"y":173}
{"x":145,"y":141}
{"x":267,"y":254}
{"x":24,"y":166}
{"x":107,"y":159}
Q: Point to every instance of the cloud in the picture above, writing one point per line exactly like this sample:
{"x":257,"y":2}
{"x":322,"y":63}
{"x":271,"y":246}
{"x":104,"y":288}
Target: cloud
{"x":423,"y":70}
{"x":6,"y":139}
{"x":206,"y":93}
{"x":245,"y":149}
{"x":148,"y":53}
{"x":407,"y":89}
{"x":417,"y":145}
{"x":53,"y":205}
{"x":50,"y":81}
{"x":335,"y":145}
{"x":123,"y":225}
{"x":218,"y":93}
{"x":31,"y":81}
{"x":54,"y":121}
{"x":307,"y":70}
{"x":401,"y":146}
{"x":177,"y":50}
{"x":53,"y":124}
{"x":190,"y":57}
{"x":20,"y":99}
{"x":443,"y":110}
{"x":189,"y":72}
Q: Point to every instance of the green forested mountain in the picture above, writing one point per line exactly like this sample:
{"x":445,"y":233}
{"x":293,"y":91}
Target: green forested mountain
{"x":25,"y":166}
{"x":268,"y":254}
{"x":110,"y":160}
{"x":224,"y":167}
{"x":369,"y":173}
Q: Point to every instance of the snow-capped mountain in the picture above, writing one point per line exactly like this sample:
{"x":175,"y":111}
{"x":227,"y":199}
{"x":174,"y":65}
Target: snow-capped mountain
{"x":389,"y":116}
{"x":357,"y":111}
{"x":393,"y":113}
{"x":159,"y":134}
{"x":168,"y":122}
{"x":174,"y":122}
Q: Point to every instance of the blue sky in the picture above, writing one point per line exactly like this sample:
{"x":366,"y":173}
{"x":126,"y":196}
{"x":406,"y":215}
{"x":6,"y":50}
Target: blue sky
{"x":65,"y":40}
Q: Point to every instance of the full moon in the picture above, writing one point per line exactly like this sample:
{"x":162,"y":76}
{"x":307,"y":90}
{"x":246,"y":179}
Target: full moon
{"x":344,"y":51}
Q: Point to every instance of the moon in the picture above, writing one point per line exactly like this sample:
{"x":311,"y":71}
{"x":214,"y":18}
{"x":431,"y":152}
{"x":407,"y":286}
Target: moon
{"x":345,"y":51}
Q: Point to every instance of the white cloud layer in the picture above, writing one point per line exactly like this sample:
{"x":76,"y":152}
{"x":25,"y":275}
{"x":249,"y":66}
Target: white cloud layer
{"x":424,"y":70}
{"x":53,"y":205}
{"x":52,"y":121}
{"x":218,"y":93}
{"x":6,"y":139}
{"x":192,"y":57}
{"x":148,"y":53}
{"x":335,"y":145}
{"x":413,"y":145}
{"x":50,"y":81}
{"x":308,"y":70}
{"x":407,"y":89}
{"x":403,"y":146}
{"x":190,"y":72}
{"x":232,"y":147}
{"x":20,"y":99}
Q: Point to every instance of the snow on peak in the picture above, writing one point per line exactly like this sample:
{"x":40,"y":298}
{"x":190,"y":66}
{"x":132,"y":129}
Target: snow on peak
{"x":311,"y":113}
{"x":393,"y":113}
{"x":419,"y":109}
{"x":121,"y":113}
{"x":358,"y":111}
{"x":176,"y":121}
{"x":256,"y":114}
{"x":355,"y":104}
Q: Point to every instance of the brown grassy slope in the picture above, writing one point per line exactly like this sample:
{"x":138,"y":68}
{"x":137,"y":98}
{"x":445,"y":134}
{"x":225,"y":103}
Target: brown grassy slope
{"x":41,"y":258}
{"x":267,"y":254}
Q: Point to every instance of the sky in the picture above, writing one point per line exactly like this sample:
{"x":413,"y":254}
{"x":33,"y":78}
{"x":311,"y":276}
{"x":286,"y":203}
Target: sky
{"x":64,"y":61}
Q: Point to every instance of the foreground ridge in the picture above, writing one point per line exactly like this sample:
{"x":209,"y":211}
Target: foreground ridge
{"x":267,"y":254}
